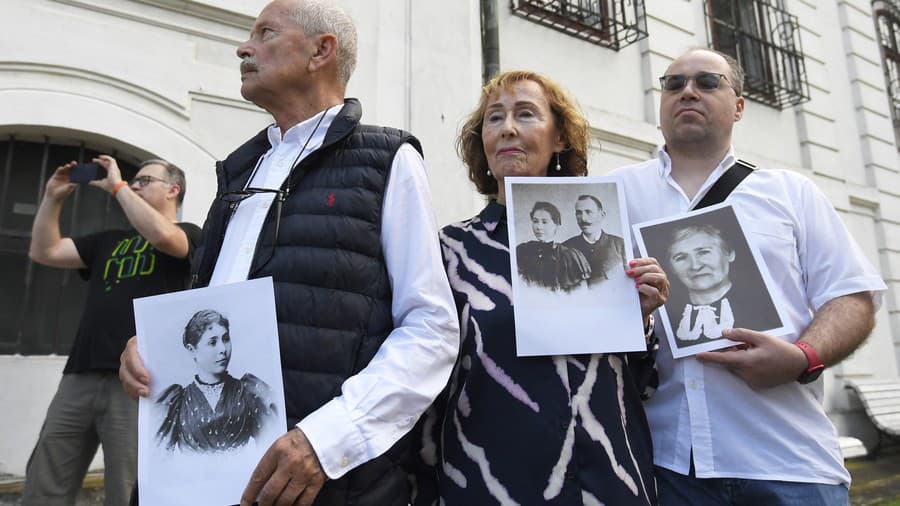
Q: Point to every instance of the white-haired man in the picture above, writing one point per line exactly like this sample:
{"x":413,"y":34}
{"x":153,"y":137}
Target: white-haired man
{"x":340,"y":215}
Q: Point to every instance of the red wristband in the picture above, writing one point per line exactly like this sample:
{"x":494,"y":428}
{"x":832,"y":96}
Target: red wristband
{"x":815,"y":366}
{"x":118,"y":187}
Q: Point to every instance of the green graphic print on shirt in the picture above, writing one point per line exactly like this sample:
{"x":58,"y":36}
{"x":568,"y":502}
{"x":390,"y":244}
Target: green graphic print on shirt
{"x":133,"y":256}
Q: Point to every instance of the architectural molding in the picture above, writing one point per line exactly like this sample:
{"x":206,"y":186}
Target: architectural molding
{"x":199,"y":96}
{"x":94,"y":78}
{"x":175,"y":15}
{"x":599,"y":136}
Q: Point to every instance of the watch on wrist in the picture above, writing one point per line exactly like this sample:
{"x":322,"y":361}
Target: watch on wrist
{"x":815,"y":366}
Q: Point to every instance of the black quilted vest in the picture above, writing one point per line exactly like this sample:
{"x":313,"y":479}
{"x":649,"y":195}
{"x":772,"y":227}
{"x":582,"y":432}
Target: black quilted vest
{"x":332,"y":291}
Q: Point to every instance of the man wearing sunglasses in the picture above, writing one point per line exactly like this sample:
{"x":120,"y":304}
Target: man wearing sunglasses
{"x":339,"y":214}
{"x":89,"y":408}
{"x":746,"y":425}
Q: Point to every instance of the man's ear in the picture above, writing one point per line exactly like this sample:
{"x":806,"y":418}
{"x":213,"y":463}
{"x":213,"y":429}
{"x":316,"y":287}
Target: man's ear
{"x":325,"y":52}
{"x":174,"y":191}
{"x":739,"y":109}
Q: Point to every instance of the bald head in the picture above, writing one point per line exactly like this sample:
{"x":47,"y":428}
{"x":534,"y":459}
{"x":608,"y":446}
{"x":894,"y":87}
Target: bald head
{"x":735,"y":74}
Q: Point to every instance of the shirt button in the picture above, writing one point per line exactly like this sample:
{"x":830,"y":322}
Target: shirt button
{"x":693,"y":384}
{"x":345,"y":461}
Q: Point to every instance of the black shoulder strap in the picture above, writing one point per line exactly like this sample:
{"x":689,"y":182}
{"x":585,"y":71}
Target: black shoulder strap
{"x":720,"y":190}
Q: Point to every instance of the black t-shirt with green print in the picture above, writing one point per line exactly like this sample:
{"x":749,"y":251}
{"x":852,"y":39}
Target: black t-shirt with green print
{"x":121,"y":266}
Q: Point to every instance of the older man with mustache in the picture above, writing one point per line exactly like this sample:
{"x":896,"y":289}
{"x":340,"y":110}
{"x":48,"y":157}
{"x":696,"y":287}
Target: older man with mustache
{"x":339,"y":214}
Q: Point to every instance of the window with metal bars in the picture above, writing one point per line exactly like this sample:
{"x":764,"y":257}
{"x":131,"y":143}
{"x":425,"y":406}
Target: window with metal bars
{"x":609,"y":23}
{"x":40,"y":306}
{"x":765,"y":39}
{"x":887,"y":27}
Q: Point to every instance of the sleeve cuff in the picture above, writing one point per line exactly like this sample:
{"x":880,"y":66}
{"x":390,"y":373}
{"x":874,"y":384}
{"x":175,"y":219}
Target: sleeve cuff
{"x":875,"y":286}
{"x":337,"y":441}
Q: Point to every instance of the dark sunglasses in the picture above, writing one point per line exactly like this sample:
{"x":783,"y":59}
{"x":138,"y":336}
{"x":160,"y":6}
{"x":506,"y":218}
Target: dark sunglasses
{"x":234,"y":198}
{"x":705,"y":81}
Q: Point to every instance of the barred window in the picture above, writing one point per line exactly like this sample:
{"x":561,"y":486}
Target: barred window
{"x":609,"y":23}
{"x":887,"y":25}
{"x":40,"y":306}
{"x":765,"y":39}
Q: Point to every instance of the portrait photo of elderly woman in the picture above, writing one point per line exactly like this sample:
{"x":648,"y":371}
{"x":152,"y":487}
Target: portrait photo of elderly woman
{"x":717,"y":283}
{"x":545,"y":262}
{"x":216,"y":411}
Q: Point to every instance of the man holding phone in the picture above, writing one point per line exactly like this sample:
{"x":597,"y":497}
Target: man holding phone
{"x":90,"y":408}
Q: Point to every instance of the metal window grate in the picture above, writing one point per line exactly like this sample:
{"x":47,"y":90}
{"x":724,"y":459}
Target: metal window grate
{"x":40,"y":306}
{"x":887,"y":27}
{"x":609,"y":23}
{"x":765,"y":40}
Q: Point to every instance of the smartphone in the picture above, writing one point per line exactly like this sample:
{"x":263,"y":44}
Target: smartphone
{"x":86,"y":172}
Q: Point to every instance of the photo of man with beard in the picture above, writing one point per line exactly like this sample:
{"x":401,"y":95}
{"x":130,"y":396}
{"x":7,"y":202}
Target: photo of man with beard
{"x":605,"y":252}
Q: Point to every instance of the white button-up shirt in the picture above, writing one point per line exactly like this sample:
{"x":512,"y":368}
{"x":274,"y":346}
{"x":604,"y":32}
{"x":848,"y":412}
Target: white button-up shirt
{"x":381,"y":403}
{"x":780,"y":433}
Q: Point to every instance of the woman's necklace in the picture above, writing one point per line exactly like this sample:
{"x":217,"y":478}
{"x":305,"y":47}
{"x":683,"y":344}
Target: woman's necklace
{"x":212,"y":391}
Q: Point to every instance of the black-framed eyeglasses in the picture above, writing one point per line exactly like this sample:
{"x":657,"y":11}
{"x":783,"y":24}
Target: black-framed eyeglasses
{"x":233,"y":198}
{"x":143,"y":181}
{"x":705,"y":81}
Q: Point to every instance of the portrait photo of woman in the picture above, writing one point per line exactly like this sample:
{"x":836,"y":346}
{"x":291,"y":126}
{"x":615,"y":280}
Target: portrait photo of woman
{"x":216,"y":411}
{"x":545,"y":262}
{"x":718,"y":281}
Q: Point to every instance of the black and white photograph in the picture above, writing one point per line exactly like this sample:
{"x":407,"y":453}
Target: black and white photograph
{"x":569,"y":250}
{"x":216,"y":396}
{"x":718,"y":279}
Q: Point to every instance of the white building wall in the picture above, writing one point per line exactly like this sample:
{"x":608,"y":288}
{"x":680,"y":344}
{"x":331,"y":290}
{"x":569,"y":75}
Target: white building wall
{"x":160,"y":77}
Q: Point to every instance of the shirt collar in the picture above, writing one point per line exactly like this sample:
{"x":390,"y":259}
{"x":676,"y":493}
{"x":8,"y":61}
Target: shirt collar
{"x":298,"y":133}
{"x":665,"y":162}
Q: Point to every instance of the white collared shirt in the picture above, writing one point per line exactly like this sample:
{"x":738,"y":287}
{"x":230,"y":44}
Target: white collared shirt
{"x":780,"y":433}
{"x":381,"y":403}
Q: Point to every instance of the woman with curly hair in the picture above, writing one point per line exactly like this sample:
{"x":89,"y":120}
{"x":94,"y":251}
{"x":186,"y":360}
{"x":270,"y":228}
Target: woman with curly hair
{"x":530,"y":430}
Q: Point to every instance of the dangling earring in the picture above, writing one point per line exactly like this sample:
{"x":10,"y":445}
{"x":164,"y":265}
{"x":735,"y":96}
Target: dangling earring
{"x":558,"y":166}
{"x":489,"y":173}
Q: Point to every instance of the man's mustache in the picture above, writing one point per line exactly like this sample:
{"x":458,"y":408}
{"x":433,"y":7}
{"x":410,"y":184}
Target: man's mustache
{"x":248,"y":64}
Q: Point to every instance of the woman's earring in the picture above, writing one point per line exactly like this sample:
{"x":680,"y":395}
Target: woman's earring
{"x":558,"y":166}
{"x":489,"y":173}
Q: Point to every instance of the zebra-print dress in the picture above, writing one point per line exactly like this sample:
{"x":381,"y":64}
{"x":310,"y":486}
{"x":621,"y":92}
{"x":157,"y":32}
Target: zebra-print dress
{"x":538,"y":430}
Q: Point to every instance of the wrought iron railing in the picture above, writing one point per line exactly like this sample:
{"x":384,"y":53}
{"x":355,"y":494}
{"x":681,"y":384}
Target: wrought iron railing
{"x":610,"y":23}
{"x":887,"y":27}
{"x":765,"y":40}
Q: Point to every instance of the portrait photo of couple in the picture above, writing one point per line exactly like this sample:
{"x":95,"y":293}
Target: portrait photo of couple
{"x":585,"y":259}
{"x":718,"y":280}
{"x":570,"y":257}
{"x":216,"y":393}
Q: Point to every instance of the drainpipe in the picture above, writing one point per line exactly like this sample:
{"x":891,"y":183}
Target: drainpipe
{"x":490,"y":41}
